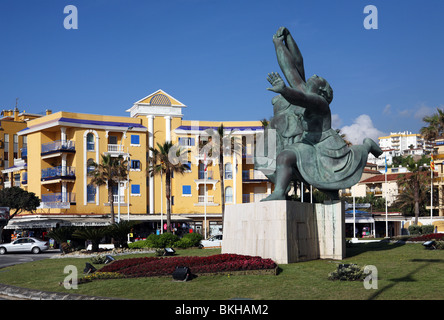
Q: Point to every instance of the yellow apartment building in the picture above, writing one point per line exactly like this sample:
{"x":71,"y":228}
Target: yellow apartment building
{"x":12,"y":146}
{"x":61,"y":146}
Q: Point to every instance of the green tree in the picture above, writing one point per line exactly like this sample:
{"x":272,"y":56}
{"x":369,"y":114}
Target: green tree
{"x":93,"y":234}
{"x":166,"y":161}
{"x":109,"y":172}
{"x":119,"y":232}
{"x":17,"y":200}
{"x":413,"y":187}
{"x":435,"y":125}
{"x":222,"y":145}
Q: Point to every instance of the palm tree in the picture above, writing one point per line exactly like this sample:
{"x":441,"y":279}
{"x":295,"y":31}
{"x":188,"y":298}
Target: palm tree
{"x":435,"y":126}
{"x":165,"y":160}
{"x":413,"y":188}
{"x":109,"y":172}
{"x":223,"y":145}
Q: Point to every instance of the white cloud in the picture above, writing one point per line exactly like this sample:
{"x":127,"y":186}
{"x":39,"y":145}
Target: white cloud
{"x":361,"y":128}
{"x":387,"y":109}
{"x":336,"y":122}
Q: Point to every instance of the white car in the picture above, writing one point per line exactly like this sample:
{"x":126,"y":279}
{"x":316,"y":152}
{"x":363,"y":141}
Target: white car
{"x":212,"y":242}
{"x":29,"y":244}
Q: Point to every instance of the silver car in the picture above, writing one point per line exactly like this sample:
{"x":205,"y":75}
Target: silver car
{"x":28,"y":244}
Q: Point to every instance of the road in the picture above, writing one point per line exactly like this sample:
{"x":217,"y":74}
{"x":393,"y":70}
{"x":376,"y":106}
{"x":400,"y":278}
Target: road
{"x":11,"y":259}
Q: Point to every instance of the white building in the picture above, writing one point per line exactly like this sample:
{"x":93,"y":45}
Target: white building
{"x":403,"y":143}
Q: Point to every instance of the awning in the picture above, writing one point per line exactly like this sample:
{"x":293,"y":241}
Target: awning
{"x":360,"y":217}
{"x":52,"y":222}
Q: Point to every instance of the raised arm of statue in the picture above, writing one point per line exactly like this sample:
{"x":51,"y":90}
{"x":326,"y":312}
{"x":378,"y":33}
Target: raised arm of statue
{"x":289,"y":58}
{"x":307,"y":99}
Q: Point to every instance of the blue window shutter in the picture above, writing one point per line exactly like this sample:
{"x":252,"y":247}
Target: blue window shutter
{"x":135,"y":139}
{"x":186,"y":189}
{"x":135,"y":188}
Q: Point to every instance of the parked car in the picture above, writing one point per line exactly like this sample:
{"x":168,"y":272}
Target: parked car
{"x":212,"y":242}
{"x":28,"y":244}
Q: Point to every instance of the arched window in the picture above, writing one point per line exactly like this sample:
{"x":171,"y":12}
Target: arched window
{"x":90,"y":165}
{"x":91,"y":193}
{"x":90,"y":142}
{"x":228,"y":195}
{"x":228,"y":171}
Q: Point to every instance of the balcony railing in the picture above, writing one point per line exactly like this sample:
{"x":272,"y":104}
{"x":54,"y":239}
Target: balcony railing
{"x":116,"y":198}
{"x":115,"y":148}
{"x":210,"y":199}
{"x":25,"y":178}
{"x":58,"y":200}
{"x":253,"y":175}
{"x":206,"y":174}
{"x":248,"y":198}
{"x":24,"y":152}
{"x":58,"y":146}
{"x":58,"y":172}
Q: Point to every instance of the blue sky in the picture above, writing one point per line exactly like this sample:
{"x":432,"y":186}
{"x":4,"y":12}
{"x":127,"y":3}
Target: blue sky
{"x":214,"y":57}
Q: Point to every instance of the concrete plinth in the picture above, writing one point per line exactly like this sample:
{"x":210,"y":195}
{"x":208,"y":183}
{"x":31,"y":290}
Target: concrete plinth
{"x":285,"y":231}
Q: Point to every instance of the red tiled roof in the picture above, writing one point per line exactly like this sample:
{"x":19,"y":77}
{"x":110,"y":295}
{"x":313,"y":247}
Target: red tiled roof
{"x":390,"y":177}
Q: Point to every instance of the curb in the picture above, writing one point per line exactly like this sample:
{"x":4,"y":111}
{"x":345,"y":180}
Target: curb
{"x":31,"y":294}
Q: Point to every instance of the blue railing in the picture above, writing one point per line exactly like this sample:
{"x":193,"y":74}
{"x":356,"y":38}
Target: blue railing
{"x":59,"y":197}
{"x":58,"y":146}
{"x":58,"y":172}
{"x":25,"y":178}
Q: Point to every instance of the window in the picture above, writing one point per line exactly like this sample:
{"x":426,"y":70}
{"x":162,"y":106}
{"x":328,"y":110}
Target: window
{"x":228,"y":195}
{"x":135,"y":164}
{"x":15,"y":146}
{"x":186,"y":190}
{"x":90,"y":165}
{"x":135,"y":139}
{"x":91,"y":193}
{"x":186,"y":142}
{"x":189,"y":166}
{"x":135,"y":189}
{"x":112,"y":139}
{"x":90,"y":142}
{"x":228,"y":171}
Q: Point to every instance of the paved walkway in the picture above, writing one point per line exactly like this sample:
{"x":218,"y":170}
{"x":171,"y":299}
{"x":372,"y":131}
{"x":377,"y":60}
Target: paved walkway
{"x":15,"y":293}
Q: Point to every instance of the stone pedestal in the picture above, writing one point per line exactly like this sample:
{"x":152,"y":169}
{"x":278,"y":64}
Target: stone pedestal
{"x":285,"y":231}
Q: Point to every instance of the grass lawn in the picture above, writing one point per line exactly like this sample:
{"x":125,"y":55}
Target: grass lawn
{"x":404,"y":272}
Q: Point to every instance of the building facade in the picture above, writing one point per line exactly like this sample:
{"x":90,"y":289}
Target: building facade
{"x":60,"y":148}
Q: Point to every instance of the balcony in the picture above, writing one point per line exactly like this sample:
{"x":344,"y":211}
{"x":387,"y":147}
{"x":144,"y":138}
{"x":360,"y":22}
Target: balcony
{"x":59,"y":172}
{"x":24,"y":153}
{"x":249,"y":198}
{"x":201,"y":201}
{"x":116,"y":150}
{"x":57,"y":146}
{"x":58,"y":200}
{"x":205,"y":175}
{"x":252,"y":175}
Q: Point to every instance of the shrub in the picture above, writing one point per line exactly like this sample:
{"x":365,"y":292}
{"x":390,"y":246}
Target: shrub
{"x":347,"y":272}
{"x":414,"y":229}
{"x":99,"y":259}
{"x":194,"y":238}
{"x":428,"y":237}
{"x":428,"y":228}
{"x":157,"y":266}
{"x":439,"y":245}
{"x":184,"y":243}
{"x":167,"y":240}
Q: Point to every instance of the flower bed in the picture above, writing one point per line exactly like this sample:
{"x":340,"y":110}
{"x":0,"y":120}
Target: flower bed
{"x":158,"y":266}
{"x":428,"y":237}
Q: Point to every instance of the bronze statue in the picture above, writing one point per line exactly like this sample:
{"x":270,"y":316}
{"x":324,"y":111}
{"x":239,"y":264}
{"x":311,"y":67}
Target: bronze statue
{"x":307,"y":148}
